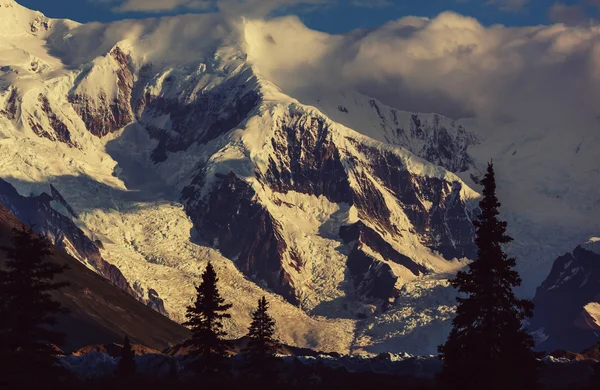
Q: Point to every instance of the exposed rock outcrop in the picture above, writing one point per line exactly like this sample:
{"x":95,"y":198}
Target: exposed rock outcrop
{"x":310,"y":157}
{"x":10,"y":107}
{"x":233,"y":221}
{"x":192,"y":116}
{"x":373,"y":277}
{"x":61,"y":131}
{"x":103,"y":114}
{"x":429,"y":136}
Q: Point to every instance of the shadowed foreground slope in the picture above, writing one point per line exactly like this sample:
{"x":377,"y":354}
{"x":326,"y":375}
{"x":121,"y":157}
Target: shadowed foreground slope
{"x":98,"y":311}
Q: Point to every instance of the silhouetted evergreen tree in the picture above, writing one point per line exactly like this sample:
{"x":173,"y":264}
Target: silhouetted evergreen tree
{"x":27,"y":309}
{"x":488,"y":347}
{"x":205,"y":319}
{"x":127,"y":366}
{"x":262,"y":346}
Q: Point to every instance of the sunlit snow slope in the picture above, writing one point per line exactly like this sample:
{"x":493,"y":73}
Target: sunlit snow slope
{"x":170,"y":142}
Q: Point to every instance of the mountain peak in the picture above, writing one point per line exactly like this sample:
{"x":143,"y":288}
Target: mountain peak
{"x":18,"y":21}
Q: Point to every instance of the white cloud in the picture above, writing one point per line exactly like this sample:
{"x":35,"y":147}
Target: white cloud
{"x":450,"y":64}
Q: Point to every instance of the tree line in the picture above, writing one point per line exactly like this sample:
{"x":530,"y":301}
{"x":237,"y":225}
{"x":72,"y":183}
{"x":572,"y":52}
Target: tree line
{"x":27,"y":311}
{"x":488,"y":347}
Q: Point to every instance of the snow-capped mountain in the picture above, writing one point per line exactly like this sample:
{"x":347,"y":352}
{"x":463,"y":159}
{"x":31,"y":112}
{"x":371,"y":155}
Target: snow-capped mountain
{"x":568,"y":301}
{"x":170,"y":142}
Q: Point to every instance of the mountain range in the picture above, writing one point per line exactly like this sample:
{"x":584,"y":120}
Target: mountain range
{"x":146,"y":148}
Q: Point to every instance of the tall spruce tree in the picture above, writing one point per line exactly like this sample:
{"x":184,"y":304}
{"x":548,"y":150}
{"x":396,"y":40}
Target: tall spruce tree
{"x":27,"y":310}
{"x":262,"y":346}
{"x":488,"y":348}
{"x":205,"y":319}
{"x":127,"y":365}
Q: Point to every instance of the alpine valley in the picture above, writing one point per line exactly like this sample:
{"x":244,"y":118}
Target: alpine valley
{"x":146,"y":148}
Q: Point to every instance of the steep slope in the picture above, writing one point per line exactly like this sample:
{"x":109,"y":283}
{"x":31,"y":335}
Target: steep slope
{"x":567,"y":314}
{"x":99,"y":310}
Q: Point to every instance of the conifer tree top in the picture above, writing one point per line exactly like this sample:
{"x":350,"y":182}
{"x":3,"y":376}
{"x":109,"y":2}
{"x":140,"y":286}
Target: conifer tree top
{"x":205,"y":319}
{"x":488,"y":347}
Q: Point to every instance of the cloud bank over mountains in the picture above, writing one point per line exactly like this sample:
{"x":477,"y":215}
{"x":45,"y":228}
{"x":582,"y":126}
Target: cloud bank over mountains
{"x":450,"y":64}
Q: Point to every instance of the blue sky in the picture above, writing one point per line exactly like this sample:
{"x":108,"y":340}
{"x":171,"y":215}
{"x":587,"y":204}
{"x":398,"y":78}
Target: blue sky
{"x":343,"y":15}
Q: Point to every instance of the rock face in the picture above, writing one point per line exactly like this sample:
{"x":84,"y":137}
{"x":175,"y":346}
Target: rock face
{"x":62,"y":133}
{"x":243,"y":229}
{"x":307,"y":160}
{"x":441,"y":143}
{"x":434,"y":206}
{"x":432,"y":137}
{"x":10,"y":109}
{"x":372,"y":277}
{"x":566,"y":303}
{"x":308,"y":155}
{"x":101,"y":112}
{"x":192,"y":117}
